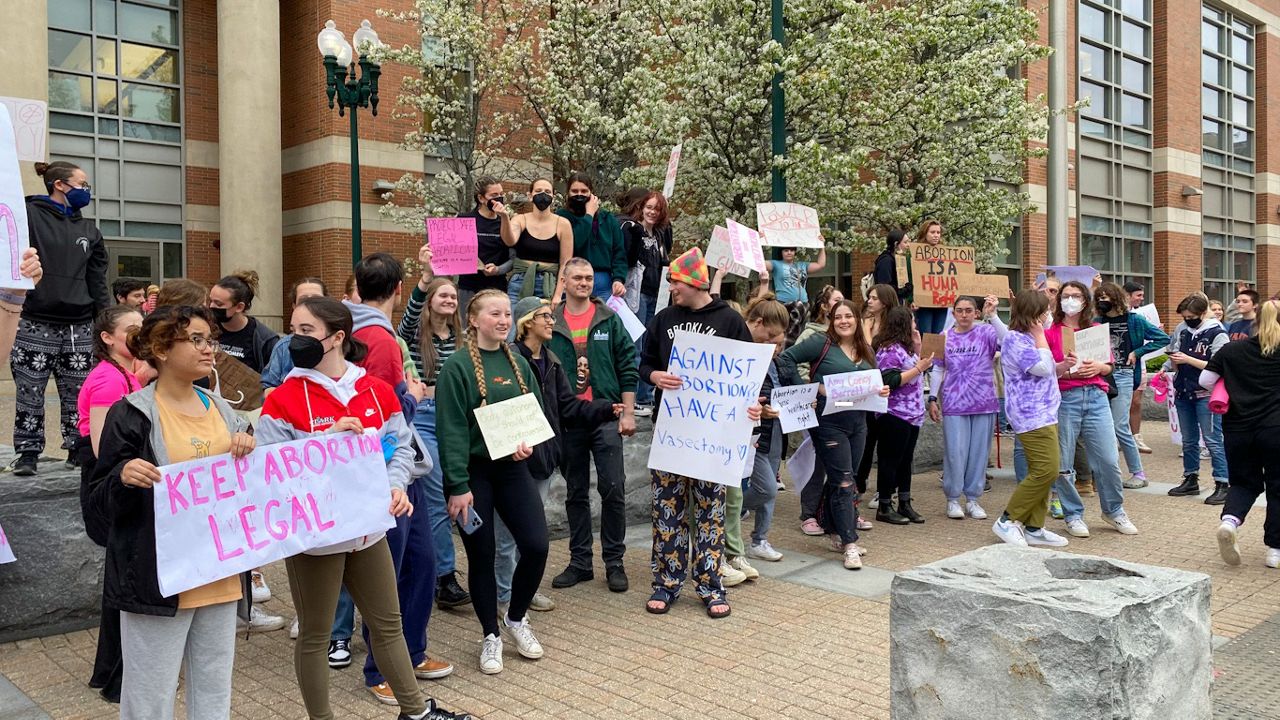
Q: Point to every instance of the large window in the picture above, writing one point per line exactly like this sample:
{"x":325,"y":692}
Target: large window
{"x":115,"y":109}
{"x":1115,"y":177}
{"x":1227,"y":125}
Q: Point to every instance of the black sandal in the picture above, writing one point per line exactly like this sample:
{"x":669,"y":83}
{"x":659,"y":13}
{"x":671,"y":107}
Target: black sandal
{"x":712,"y":605}
{"x":661,"y":596}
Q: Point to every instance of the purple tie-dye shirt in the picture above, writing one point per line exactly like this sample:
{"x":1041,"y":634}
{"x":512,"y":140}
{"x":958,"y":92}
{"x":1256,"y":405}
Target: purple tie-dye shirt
{"x":907,"y":400}
{"x":1030,"y":401}
{"x":969,"y":386}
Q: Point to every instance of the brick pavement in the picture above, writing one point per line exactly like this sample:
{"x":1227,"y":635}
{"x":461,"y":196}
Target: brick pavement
{"x":789,"y":650}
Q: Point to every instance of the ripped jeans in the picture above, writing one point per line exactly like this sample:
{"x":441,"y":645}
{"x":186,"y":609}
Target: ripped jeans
{"x":838,"y":440}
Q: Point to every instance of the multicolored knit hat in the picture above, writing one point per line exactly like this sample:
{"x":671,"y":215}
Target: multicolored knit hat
{"x":691,"y":269}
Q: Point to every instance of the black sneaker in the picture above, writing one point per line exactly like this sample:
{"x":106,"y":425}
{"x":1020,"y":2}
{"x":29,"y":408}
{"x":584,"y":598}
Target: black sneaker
{"x":25,"y":465}
{"x":435,"y":712}
{"x":616,"y":576}
{"x":339,"y":654}
{"x":1190,"y":486}
{"x":571,"y":576}
{"x":449,"y":593}
{"x":72,"y":462}
{"x":1219,"y":496}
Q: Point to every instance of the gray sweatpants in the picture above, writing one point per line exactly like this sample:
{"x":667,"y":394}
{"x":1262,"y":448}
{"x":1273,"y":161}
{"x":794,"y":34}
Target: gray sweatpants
{"x":200,"y":642}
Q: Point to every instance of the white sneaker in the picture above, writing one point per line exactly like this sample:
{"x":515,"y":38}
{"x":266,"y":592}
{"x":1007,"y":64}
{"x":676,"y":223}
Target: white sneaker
{"x":1228,"y":535}
{"x":643,"y":411}
{"x":491,"y":655}
{"x":1045,"y":537}
{"x":293,"y":630}
{"x":740,"y":564}
{"x":764,"y":551}
{"x":542,"y":603}
{"x":1077,"y":528}
{"x":522,"y":635}
{"x":731,"y":576}
{"x":1009,"y":531}
{"x":954,"y":511}
{"x":260,"y":621}
{"x":874,"y":502}
{"x":1142,"y":446}
{"x":852,"y":557}
{"x":261,"y":593}
{"x":975,"y":511}
{"x":1121,"y":522}
{"x":1273,"y":557}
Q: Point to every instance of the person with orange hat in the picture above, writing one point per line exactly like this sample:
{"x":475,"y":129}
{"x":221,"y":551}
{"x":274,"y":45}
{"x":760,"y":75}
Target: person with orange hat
{"x":692,"y":309}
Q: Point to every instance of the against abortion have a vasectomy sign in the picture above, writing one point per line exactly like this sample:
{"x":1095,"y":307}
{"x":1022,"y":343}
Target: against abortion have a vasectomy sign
{"x":220,"y":516}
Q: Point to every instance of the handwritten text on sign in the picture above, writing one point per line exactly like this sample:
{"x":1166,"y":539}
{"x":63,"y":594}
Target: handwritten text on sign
{"x":6,"y":550}
{"x":795,"y":406}
{"x":941,"y":273}
{"x":454,"y":246}
{"x":673,"y":163}
{"x":744,"y":244}
{"x":13,"y":209}
{"x":219,"y":516}
{"x":720,"y":255}
{"x":788,"y":225}
{"x":1093,"y":343}
{"x":504,"y":425}
{"x":857,"y":390}
{"x":702,"y":430}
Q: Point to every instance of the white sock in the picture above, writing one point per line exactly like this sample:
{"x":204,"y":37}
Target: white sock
{"x":513,"y":624}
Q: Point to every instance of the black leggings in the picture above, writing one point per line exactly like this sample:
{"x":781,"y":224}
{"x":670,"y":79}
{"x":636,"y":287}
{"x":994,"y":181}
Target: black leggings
{"x":507,"y":488}
{"x":897,"y":446}
{"x":869,"y":452}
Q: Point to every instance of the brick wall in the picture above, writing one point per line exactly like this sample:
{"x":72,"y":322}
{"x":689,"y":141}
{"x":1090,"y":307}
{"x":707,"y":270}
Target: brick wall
{"x":200,"y":107}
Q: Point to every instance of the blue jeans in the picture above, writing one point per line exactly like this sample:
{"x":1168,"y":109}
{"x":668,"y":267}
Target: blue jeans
{"x":506,"y":555}
{"x":648,"y":306}
{"x":516,"y":285}
{"x":1120,"y":414}
{"x":1020,"y":468}
{"x":931,"y":320}
{"x":603,"y":287}
{"x":760,"y":490}
{"x":433,"y":489}
{"x":968,"y":447}
{"x":1194,"y":419}
{"x":1086,"y":414}
{"x":414,"y":559}
{"x":344,"y":620}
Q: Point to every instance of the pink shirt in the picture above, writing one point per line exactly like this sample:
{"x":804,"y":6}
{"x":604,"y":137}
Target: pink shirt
{"x":102,"y":388}
{"x":1054,"y":336}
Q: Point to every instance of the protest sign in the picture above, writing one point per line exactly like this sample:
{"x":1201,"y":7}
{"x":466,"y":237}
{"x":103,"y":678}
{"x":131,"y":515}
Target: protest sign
{"x":801,"y":463}
{"x":1093,"y":343}
{"x":1082,"y":274}
{"x":702,"y":430}
{"x":786,"y":224}
{"x":506,"y":424}
{"x":744,"y":244}
{"x":941,"y":273}
{"x":901,"y":261}
{"x":1149,"y":312}
{"x":219,"y":516}
{"x":1068,"y":339}
{"x":1175,"y":432}
{"x":795,"y":406}
{"x":30,"y":120}
{"x":454,"y":246}
{"x":673,"y":163}
{"x":720,"y":255}
{"x":6,"y":550}
{"x":933,"y":344}
{"x":13,"y":210}
{"x":634,"y":327}
{"x":749,"y":465}
{"x":856,"y":390}
{"x":664,"y":291}
{"x":980,"y":286}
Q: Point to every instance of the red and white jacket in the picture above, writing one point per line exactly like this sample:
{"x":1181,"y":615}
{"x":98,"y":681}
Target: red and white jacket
{"x":309,"y":403}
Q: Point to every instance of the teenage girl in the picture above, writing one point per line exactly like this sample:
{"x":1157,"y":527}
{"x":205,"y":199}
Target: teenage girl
{"x":543,"y":243}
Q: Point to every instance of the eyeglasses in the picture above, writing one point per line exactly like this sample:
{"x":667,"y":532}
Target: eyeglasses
{"x":202,"y":343}
{"x":545,"y":317}
{"x":85,"y":186}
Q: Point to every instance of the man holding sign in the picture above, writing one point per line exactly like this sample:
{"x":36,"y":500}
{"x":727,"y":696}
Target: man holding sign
{"x":667,"y":357}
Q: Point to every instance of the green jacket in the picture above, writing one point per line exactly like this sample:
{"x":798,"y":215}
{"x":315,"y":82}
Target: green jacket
{"x":599,"y":240}
{"x":611,"y":354}
{"x":457,"y":397}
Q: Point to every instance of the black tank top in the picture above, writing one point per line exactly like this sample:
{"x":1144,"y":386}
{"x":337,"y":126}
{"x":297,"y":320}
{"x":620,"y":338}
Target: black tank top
{"x":534,"y":249}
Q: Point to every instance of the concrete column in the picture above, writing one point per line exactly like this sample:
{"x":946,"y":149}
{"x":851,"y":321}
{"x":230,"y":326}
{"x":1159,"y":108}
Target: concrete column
{"x":249,"y":214}
{"x":24,"y":55}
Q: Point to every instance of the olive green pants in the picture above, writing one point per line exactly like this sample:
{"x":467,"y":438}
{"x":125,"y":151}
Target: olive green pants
{"x":1030,"y":500}
{"x":733,"y":521}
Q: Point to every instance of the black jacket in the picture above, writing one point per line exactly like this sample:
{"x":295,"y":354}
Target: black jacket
{"x":74,"y":258}
{"x":714,"y":318}
{"x":886,"y":272}
{"x":560,"y":406}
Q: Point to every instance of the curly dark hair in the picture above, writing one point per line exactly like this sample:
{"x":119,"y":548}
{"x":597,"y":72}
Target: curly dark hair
{"x":166,"y":327}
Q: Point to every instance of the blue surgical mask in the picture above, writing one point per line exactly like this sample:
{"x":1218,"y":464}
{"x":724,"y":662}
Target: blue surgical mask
{"x":79,"y":197}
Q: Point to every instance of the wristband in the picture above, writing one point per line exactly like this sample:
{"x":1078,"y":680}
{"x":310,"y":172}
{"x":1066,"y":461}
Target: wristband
{"x":12,"y":298}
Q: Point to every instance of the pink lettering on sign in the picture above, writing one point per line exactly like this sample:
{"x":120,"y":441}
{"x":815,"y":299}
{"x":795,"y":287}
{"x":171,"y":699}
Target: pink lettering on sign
{"x":455,"y":248}
{"x":174,"y":494}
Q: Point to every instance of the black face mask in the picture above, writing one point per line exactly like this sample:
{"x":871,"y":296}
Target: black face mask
{"x":1105,"y":306}
{"x":1193,"y":324}
{"x":578,"y":204}
{"x":491,"y":202}
{"x":220,"y":315}
{"x":306,"y":352}
{"x":542,"y":201}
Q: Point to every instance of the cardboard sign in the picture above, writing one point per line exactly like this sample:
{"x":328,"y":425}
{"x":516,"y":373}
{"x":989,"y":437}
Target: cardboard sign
{"x":801,"y":464}
{"x":795,"y":406}
{"x":1092,"y":343}
{"x":504,"y":425}
{"x":942,"y":273}
{"x":702,"y":430}
{"x":744,"y":245}
{"x":856,"y":390}
{"x":634,"y":327}
{"x":218,"y":516}
{"x":788,"y":225}
{"x":30,"y":120}
{"x":980,"y":286}
{"x":1068,"y":340}
{"x":933,"y":344}
{"x":13,"y":210}
{"x":6,"y":550}
{"x":455,"y":249}
{"x":673,"y":164}
{"x":1083,"y":274}
{"x":901,"y":261}
{"x":720,"y":255}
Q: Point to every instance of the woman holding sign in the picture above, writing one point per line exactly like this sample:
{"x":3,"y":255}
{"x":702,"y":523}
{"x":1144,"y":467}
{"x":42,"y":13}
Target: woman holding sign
{"x":169,"y":421}
{"x":485,"y":371}
{"x":840,"y":435}
{"x":327,"y":392}
{"x":1085,"y":413}
{"x":929,"y":319}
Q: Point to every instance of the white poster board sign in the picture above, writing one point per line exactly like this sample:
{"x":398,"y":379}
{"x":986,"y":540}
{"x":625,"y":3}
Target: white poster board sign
{"x":30,"y":120}
{"x":6,"y":550}
{"x":744,"y":244}
{"x":673,"y":163}
{"x":1093,"y":343}
{"x":856,"y":390}
{"x":1149,"y":312}
{"x":218,"y":516}
{"x":702,"y":430}
{"x":664,"y":292}
{"x":13,"y":210}
{"x":795,"y":406}
{"x":788,"y":225}
{"x":801,"y":464}
{"x":720,"y":255}
{"x":634,"y":327}
{"x":504,"y":425}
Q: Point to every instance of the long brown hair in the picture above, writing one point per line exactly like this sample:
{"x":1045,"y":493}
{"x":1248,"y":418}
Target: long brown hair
{"x":821,"y":306}
{"x":860,"y":345}
{"x":426,"y":329}
{"x":473,"y":350}
{"x":1086,"y":314}
{"x":896,"y":327}
{"x":335,"y":316}
{"x":107,"y":323}
{"x":1028,"y":306}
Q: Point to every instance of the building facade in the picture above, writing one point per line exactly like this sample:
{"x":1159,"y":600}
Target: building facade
{"x":206,"y":133}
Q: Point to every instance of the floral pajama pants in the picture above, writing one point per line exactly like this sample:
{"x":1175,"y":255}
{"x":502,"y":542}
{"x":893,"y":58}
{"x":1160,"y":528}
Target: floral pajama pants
{"x":680,"y":505}
{"x":39,"y":349}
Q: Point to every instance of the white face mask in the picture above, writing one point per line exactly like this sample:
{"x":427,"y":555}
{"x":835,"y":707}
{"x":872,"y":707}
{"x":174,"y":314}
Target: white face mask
{"x":1072,"y":306}
{"x":1047,"y":321}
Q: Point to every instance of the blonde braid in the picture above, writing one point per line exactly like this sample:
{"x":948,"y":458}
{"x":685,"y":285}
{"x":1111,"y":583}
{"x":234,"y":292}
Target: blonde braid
{"x":524,"y":389}
{"x":474,"y":351}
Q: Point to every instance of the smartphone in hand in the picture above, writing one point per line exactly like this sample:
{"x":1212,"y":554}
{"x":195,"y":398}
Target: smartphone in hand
{"x":471,"y":523}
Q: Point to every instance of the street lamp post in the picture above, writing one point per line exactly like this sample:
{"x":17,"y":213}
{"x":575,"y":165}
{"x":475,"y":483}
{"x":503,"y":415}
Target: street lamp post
{"x":778,"y":190}
{"x":351,"y":93}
